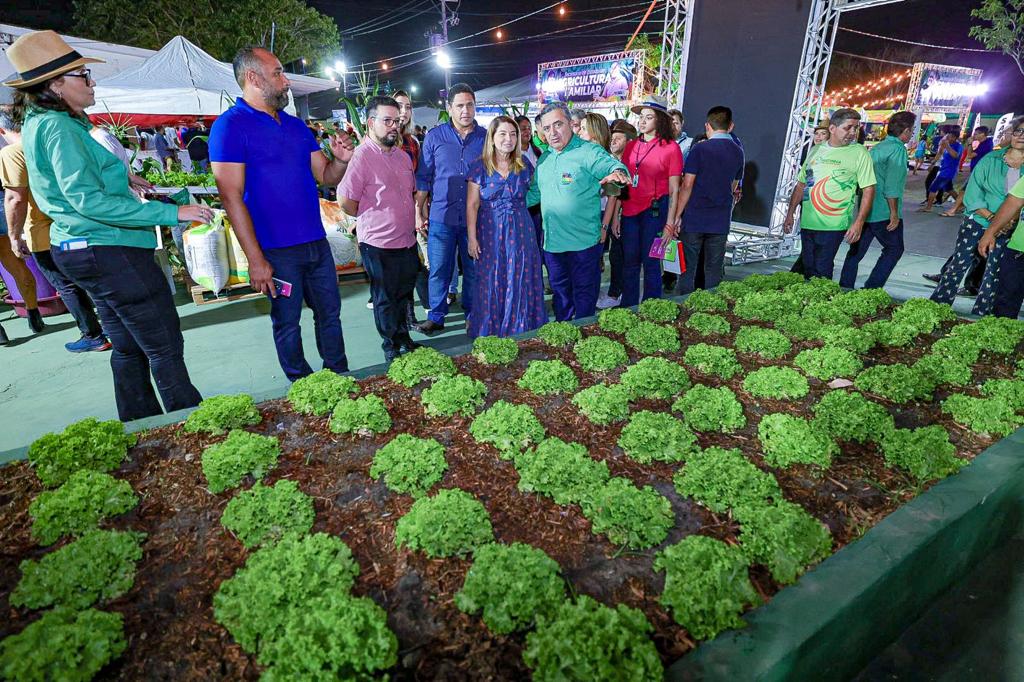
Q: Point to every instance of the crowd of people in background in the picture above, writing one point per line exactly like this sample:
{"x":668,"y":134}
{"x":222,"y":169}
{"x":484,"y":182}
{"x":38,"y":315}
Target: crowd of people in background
{"x":500,"y":206}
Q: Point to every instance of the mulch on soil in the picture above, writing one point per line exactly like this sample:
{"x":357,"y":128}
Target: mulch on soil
{"x":168,"y":613}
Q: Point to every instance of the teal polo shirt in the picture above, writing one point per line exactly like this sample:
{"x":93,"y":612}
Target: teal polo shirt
{"x":889,"y":158}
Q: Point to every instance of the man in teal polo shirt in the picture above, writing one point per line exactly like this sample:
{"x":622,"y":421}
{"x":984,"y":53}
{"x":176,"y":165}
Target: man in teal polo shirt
{"x":885,"y":220}
{"x":1010,"y":287}
{"x":567,"y":185}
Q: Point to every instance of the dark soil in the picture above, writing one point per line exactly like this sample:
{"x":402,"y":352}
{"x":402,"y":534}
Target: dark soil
{"x":187,"y":554}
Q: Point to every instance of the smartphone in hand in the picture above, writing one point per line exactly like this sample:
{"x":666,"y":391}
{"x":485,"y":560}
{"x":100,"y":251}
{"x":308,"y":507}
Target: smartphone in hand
{"x":281,"y":287}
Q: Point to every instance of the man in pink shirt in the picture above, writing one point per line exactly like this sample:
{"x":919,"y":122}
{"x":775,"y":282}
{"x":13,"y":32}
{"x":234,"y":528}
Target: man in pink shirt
{"x":378,"y":190}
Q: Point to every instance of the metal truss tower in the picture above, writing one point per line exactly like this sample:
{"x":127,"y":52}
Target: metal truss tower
{"x":675,"y":47}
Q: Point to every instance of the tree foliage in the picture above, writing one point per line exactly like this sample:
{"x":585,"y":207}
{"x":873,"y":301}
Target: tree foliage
{"x":1003,"y":28}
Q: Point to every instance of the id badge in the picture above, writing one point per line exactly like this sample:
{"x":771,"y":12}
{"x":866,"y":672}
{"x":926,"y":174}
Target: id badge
{"x":636,"y":179}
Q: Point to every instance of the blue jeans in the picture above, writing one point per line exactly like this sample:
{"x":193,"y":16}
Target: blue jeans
{"x":713,"y":247}
{"x":309,"y":268}
{"x":575,"y":278}
{"x":637,"y":234}
{"x":77,"y":301}
{"x":137,"y":310}
{"x":892,"y":250}
{"x":392,"y":274}
{"x":818,"y":251}
{"x":443,"y":243}
{"x":1010,"y":289}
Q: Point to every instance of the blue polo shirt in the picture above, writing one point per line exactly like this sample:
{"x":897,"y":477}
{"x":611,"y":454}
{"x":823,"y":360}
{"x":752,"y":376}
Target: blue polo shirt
{"x":280,"y":190}
{"x":445,"y":158}
{"x":716,"y":163}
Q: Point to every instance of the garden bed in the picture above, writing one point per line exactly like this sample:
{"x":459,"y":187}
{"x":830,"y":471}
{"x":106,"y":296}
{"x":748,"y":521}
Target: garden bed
{"x":169,"y":621}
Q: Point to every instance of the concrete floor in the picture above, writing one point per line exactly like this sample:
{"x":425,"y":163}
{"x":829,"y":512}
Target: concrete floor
{"x":229,"y":349}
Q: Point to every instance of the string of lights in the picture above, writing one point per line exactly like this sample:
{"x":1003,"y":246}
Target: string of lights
{"x":854,"y":93}
{"x":911,"y":42}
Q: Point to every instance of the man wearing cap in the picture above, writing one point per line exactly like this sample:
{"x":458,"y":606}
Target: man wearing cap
{"x":102,"y":236}
{"x":567,"y":185}
{"x":267,"y":165}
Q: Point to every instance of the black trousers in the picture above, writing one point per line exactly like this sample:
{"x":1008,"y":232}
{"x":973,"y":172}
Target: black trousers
{"x":392,"y":274}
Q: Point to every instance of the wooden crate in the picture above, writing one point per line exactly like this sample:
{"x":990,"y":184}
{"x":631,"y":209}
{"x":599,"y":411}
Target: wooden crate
{"x":241,"y":292}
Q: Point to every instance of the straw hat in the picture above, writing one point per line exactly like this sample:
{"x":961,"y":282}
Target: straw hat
{"x":42,"y":55}
{"x":655,"y":102}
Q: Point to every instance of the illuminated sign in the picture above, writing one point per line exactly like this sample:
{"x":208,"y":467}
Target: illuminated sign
{"x":612,"y":77}
{"x":946,"y":89}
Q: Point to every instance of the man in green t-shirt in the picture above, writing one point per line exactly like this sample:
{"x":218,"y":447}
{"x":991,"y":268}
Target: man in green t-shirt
{"x":1010,"y":283}
{"x":827,"y":188}
{"x":885,"y":220}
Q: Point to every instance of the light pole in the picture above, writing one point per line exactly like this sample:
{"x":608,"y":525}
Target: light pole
{"x":342,"y":70}
{"x":444,"y":32}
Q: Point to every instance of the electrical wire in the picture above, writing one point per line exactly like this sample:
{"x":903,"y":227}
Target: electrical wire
{"x":873,"y":59}
{"x":911,"y":42}
{"x":384,"y":17}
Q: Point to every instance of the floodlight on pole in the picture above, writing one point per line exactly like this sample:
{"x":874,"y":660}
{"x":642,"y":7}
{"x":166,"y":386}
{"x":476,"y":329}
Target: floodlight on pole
{"x":443,"y":60}
{"x":339,"y":66}
{"x":412,"y":89}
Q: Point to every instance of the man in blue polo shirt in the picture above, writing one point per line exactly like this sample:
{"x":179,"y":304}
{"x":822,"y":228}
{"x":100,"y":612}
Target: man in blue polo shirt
{"x":267,"y":165}
{"x":445,"y":158}
{"x":710,"y":178}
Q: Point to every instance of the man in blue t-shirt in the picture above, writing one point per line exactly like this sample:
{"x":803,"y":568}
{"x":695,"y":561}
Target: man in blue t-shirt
{"x":710,"y":178}
{"x":948,"y":159}
{"x":267,"y":165}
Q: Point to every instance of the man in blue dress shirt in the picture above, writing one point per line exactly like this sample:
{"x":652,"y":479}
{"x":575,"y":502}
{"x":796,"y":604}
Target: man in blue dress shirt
{"x":445,"y":157}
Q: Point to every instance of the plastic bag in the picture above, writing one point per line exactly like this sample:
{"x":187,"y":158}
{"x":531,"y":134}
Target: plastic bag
{"x":206,"y":253}
{"x":238,"y":264}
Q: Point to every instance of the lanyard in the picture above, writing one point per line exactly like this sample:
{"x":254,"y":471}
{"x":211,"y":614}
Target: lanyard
{"x":637,"y":159}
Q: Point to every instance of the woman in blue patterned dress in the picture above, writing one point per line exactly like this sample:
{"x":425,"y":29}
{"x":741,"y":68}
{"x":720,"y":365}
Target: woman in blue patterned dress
{"x":509,"y":296}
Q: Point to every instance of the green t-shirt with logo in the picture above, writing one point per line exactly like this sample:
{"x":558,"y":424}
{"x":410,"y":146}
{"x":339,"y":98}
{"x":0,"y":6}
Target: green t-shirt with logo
{"x":1017,"y":238}
{"x":832,"y":176}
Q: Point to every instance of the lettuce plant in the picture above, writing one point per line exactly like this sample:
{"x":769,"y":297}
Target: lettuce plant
{"x":851,"y":416}
{"x":853,"y":339}
{"x":510,"y":428}
{"x":781,"y":383}
{"x":65,"y":644}
{"x":774,"y":281}
{"x":766,"y":305}
{"x":603,"y":403}
{"x":586,"y":640}
{"x":494,"y":350}
{"x":732,"y":291}
{"x":363,"y":416}
{"x":723,"y":479}
{"x":767,"y":343}
{"x":992,"y":416}
{"x":656,"y":436}
{"x":958,"y":348}
{"x":715,"y":360}
{"x":87,"y":444}
{"x":628,"y":515}
{"x":707,"y":586}
{"x":410,"y":465}
{"x":423,"y":364}
{"x":264,"y":514}
{"x":600,"y":354}
{"x":319,"y":392}
{"x":892,"y":333}
{"x":787,"y":440}
{"x":450,"y":523}
{"x":864,"y":302}
{"x":711,"y":409}
{"x":658,"y":310}
{"x":655,"y":378}
{"x":221,"y":413}
{"x":649,"y":338}
{"x":923,"y":314}
{"x":828,"y":362}
{"x":547,"y":377}
{"x":562,"y":471}
{"x":705,"y":301}
{"x":925,"y":452}
{"x":225,"y":464}
{"x":1010,"y":390}
{"x":85,"y":499}
{"x":994,"y":334}
{"x":783,"y":537}
{"x":448,"y":396}
{"x":800,"y":327}
{"x":897,"y":382}
{"x":559,"y":334}
{"x":828,"y":313}
{"x":935,"y":369}
{"x":708,"y":324}
{"x":617,"y":320}
{"x":817,"y":289}
{"x":98,"y":566}
{"x":512,"y":585}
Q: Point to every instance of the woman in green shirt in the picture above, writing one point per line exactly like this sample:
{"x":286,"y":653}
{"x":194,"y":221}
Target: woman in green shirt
{"x":102,"y":236}
{"x":988,"y":186}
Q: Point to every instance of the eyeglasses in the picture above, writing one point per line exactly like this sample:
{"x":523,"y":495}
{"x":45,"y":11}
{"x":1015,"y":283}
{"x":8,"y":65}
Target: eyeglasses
{"x":389,"y":122}
{"x":85,"y":74}
{"x":1018,"y":132}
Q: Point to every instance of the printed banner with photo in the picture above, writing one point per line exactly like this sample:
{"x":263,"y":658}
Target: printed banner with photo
{"x":602,"y":78}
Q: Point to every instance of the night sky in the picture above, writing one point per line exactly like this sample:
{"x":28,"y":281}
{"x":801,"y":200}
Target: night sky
{"x":373,"y":31}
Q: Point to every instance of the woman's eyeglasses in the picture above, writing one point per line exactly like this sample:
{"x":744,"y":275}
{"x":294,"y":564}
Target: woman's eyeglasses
{"x":1018,"y":132}
{"x":85,"y":74}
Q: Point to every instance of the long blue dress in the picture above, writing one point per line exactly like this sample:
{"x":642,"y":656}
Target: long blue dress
{"x":509,"y":295}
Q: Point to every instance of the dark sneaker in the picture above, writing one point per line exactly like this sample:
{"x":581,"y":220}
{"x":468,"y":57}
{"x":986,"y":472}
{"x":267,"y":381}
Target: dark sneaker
{"x":429,"y":327}
{"x":453,"y":299}
{"x":408,"y":346}
{"x":86,"y":344}
{"x":967,"y":291}
{"x":3,"y":337}
{"x":35,"y":321}
{"x":932,"y":278}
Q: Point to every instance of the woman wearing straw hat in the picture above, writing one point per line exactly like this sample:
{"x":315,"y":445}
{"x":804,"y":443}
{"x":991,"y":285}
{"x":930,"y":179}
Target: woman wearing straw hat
{"x":655,"y":165}
{"x":102,"y":235}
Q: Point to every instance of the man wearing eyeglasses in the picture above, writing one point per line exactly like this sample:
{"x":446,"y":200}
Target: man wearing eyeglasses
{"x":378,"y":191}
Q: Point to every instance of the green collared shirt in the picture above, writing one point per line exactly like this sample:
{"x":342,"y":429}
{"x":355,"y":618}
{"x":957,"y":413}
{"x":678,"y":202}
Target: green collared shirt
{"x":986,"y":188}
{"x":567,"y":185}
{"x":889,"y":158}
{"x":84,"y":188}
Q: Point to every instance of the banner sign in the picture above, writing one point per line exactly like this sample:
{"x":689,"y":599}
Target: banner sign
{"x":612,"y":77}
{"x":946,"y":89}
{"x":1001,"y":125}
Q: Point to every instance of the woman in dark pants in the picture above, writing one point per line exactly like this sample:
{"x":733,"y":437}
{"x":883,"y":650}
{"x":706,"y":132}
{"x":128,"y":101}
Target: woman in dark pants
{"x":102,"y":236}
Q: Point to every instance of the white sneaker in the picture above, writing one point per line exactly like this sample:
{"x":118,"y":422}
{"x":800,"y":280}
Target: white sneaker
{"x":607,"y":301}
{"x":369,"y":304}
